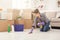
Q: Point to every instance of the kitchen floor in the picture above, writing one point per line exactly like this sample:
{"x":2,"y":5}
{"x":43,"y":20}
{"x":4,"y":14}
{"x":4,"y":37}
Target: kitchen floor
{"x":53,"y":34}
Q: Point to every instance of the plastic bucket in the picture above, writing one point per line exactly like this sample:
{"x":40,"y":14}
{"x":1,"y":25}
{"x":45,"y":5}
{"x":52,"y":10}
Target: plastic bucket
{"x":18,"y":27}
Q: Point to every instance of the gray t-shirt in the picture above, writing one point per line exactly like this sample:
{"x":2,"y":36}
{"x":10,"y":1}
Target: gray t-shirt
{"x":43,"y":18}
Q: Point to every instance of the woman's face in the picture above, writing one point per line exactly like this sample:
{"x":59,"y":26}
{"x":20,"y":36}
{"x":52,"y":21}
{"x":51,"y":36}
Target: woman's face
{"x":37,"y":15}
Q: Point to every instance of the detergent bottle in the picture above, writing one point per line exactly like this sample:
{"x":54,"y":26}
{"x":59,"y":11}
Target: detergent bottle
{"x":9,"y":29}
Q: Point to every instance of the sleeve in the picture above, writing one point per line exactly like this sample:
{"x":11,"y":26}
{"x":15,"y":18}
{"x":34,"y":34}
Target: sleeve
{"x":34,"y":22}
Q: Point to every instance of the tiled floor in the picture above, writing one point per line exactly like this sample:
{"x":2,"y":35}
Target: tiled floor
{"x":53,"y":34}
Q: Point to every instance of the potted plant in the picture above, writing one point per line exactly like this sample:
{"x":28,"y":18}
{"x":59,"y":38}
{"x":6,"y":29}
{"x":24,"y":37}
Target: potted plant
{"x":19,"y":17}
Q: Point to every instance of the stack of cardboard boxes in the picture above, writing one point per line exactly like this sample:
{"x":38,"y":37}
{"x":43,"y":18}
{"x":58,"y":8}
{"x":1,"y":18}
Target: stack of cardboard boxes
{"x":15,"y":13}
{"x":4,"y":24}
{"x":27,"y":18}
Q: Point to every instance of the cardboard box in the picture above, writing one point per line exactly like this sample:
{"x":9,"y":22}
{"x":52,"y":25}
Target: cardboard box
{"x":28,"y":23}
{"x":19,"y":21}
{"x":27,"y":13}
{"x":4,"y":25}
{"x":11,"y":22}
{"x":15,"y":13}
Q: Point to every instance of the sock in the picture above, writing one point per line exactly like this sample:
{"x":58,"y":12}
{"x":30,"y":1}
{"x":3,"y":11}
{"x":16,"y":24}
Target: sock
{"x":31,"y":30}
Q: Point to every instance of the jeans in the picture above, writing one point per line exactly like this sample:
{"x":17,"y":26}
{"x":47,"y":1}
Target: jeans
{"x":46,"y":27}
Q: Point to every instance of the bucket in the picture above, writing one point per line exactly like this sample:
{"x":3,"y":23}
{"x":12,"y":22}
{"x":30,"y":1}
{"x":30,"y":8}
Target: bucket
{"x":18,"y":27}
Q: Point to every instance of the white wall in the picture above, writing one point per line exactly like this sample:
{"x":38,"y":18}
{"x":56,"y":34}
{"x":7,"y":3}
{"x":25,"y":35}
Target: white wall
{"x":51,"y":5}
{"x":25,"y":4}
{"x":21,"y":4}
{"x":6,"y":4}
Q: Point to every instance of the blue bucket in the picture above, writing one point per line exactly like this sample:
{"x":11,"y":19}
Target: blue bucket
{"x":18,"y":27}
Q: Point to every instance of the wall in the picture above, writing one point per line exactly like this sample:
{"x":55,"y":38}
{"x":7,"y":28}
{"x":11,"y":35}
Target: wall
{"x":5,"y":4}
{"x":51,"y":5}
{"x":26,"y":4}
{"x":21,"y":4}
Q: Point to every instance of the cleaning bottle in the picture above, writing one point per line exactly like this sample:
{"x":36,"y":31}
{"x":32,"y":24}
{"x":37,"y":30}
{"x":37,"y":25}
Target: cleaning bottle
{"x":9,"y":29}
{"x":12,"y":28}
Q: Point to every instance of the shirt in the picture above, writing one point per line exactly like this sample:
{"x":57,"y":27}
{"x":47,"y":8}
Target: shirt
{"x":42,"y":18}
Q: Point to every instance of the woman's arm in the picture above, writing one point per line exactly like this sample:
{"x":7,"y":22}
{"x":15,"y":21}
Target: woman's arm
{"x":34,"y":22}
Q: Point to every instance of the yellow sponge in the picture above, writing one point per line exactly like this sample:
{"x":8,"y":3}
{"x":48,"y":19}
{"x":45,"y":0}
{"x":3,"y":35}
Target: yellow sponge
{"x":41,"y":26}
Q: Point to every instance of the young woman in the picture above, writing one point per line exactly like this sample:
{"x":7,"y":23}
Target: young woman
{"x":40,"y":19}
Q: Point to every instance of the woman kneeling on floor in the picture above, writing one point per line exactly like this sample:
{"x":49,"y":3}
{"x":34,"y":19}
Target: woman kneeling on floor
{"x":41,"y":21}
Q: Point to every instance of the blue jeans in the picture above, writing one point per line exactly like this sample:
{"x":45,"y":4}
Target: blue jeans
{"x":46,"y":27}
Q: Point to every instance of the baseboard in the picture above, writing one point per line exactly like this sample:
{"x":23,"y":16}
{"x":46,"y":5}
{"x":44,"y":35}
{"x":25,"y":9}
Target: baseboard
{"x":55,"y":27}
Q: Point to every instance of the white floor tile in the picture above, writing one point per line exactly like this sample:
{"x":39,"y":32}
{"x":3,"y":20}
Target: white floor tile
{"x":53,"y":34}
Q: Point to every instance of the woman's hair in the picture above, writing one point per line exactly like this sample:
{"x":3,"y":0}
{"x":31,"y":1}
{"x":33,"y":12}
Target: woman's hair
{"x":36,"y":11}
